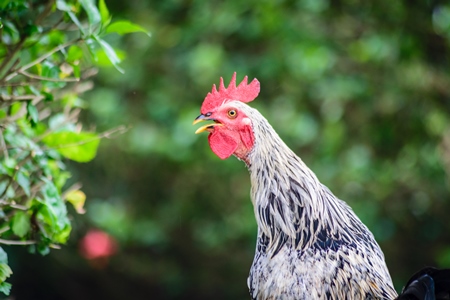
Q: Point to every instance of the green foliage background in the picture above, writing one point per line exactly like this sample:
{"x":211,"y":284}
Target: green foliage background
{"x":359,"y":89}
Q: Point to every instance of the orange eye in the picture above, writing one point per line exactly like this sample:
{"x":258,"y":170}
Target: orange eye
{"x":232,"y":113}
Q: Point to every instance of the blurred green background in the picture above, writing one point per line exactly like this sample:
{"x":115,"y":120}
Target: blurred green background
{"x":359,"y":89}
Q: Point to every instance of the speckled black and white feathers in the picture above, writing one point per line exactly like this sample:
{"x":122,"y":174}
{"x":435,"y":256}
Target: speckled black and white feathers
{"x":310,"y":244}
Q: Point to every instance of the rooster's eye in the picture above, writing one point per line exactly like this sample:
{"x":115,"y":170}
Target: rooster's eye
{"x":232,"y":113}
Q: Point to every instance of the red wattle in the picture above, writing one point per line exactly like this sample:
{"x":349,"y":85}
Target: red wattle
{"x":222,"y":144}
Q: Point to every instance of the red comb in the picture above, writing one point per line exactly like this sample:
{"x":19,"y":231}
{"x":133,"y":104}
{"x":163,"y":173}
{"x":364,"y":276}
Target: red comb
{"x":243,"y":92}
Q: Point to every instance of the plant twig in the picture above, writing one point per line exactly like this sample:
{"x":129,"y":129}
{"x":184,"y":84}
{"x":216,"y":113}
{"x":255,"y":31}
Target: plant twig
{"x":11,"y":242}
{"x":23,"y":83}
{"x":5,"y":229}
{"x":33,"y":76}
{"x":13,"y":204}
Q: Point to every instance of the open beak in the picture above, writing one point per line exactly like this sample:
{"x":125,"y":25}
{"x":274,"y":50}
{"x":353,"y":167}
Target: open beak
{"x":207,"y":127}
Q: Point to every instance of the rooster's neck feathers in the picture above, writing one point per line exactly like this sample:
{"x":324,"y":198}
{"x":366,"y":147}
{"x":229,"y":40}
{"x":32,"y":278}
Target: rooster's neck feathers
{"x":291,"y":205}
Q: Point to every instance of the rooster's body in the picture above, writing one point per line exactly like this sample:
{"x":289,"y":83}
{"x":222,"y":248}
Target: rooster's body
{"x":310,"y":244}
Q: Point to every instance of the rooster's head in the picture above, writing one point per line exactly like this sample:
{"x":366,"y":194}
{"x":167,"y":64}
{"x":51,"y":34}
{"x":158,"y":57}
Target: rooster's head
{"x":231,"y":132}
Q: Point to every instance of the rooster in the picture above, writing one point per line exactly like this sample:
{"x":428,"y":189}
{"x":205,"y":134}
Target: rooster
{"x":310,"y":244}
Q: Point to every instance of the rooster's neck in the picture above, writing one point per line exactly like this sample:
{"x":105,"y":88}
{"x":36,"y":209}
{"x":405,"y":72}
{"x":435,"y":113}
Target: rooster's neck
{"x":276,"y":170}
{"x":291,"y":205}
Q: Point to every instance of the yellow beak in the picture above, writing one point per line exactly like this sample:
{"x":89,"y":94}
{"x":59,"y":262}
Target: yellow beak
{"x":204,"y":128}
{"x":207,"y":127}
{"x":196,"y":121}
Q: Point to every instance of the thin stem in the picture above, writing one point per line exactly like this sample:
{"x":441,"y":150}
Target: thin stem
{"x":48,"y":78}
{"x":11,"y":242}
{"x":20,"y":97}
{"x":24,"y":83}
{"x":5,"y":229}
{"x":13,"y":204}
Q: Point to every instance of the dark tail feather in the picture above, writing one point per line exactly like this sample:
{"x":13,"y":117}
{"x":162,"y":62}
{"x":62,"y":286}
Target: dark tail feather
{"x":427,"y":284}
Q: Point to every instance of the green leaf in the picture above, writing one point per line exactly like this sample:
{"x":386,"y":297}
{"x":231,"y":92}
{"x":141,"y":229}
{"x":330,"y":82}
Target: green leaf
{"x":51,"y":71}
{"x":33,"y":113}
{"x":3,"y":256}
{"x":52,"y":213}
{"x":56,"y":38}
{"x":3,"y":4}
{"x":91,"y":46}
{"x":5,"y":288}
{"x":30,"y":29}
{"x":80,"y":147}
{"x":15,"y":108}
{"x":92,"y":11}
{"x":63,"y":6}
{"x":103,"y":60}
{"x":43,"y":249}
{"x":110,"y":53}
{"x":9,"y":165}
{"x":104,"y":13}
{"x":5,"y":272}
{"x":48,"y":96}
{"x":10,"y":32}
{"x":24,"y":181}
{"x":77,"y":198}
{"x":20,"y":223}
{"x":74,"y":54}
{"x":76,"y":70}
{"x":124,"y":27}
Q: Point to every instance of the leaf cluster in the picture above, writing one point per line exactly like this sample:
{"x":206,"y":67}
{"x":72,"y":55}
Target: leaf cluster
{"x":48,"y":54}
